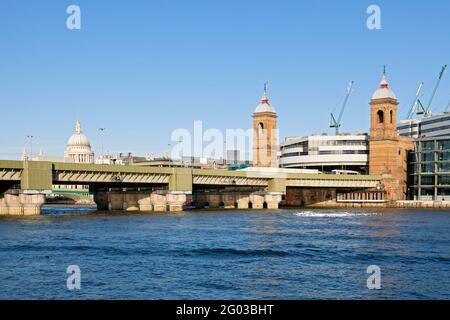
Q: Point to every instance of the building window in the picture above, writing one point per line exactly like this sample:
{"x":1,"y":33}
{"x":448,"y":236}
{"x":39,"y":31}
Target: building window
{"x":391,"y":116}
{"x":428,"y":145}
{"x":427,"y":180}
{"x":444,"y":180}
{"x":261,"y":128}
{"x":380,"y":116}
{"x":428,"y":167}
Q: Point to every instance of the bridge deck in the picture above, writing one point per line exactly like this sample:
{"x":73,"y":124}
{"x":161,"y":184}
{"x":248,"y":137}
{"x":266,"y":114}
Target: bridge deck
{"x":75,"y":173}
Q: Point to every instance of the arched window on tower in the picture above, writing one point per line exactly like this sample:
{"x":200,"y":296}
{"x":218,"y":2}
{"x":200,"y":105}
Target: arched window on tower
{"x":391,"y":116}
{"x":380,"y":116}
{"x":261,"y":128}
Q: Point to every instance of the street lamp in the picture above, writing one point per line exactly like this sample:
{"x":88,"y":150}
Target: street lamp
{"x":167,"y":152}
{"x":101,"y":130}
{"x":180,"y":142}
{"x":30,"y":138}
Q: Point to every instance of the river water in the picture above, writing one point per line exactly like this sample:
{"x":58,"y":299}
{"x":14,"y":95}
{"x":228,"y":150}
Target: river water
{"x":283,"y":254}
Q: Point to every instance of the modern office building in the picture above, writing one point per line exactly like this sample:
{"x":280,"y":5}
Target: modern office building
{"x":429,"y":169}
{"x":434,"y":126}
{"x":429,"y":164}
{"x":326,"y":153}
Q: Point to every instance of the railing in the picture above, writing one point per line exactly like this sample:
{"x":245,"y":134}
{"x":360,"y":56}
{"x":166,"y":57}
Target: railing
{"x":368,"y":196}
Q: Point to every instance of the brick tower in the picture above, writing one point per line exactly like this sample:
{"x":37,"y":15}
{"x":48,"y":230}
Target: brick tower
{"x":265,"y":134}
{"x":388,"y":150}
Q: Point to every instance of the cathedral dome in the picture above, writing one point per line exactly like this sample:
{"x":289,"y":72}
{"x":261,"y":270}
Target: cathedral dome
{"x":384,"y":92}
{"x":79,"y":147}
{"x":78,"y":139}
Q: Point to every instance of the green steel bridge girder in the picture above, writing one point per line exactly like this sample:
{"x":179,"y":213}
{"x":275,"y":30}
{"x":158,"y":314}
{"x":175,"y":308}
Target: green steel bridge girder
{"x":36,"y":175}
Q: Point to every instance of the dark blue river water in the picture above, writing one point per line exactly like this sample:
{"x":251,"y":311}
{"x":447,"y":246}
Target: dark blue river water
{"x":285,"y":254}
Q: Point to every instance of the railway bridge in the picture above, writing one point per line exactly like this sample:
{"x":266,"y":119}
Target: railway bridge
{"x":25,"y":184}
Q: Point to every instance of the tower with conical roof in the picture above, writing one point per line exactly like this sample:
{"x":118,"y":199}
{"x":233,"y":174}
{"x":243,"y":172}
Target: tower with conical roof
{"x":383,"y":112}
{"x":265,"y":133}
{"x":388,"y":152}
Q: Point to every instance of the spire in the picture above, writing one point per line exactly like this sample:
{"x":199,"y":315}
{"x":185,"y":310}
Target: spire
{"x":384,"y":84}
{"x":24,"y":155}
{"x":265,"y":98}
{"x":78,"y":127}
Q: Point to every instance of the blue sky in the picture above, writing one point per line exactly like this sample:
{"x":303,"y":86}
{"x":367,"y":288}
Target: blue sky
{"x":145,"y":68}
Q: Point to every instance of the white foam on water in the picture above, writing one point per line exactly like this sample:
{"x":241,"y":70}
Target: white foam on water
{"x":313,"y":214}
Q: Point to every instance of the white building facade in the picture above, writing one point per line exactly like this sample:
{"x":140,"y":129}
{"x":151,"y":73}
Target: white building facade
{"x":326,"y":153}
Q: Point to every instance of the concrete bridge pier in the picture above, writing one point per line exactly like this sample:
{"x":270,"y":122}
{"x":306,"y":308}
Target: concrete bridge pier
{"x":273,"y":199}
{"x":176,"y":201}
{"x":159,"y":203}
{"x":242,"y":200}
{"x":229,"y":200}
{"x":213,"y":199}
{"x":116,"y":200}
{"x":257,"y":201}
{"x":22,"y":203}
{"x":132,"y":201}
{"x":145,"y":203}
{"x":102,"y":201}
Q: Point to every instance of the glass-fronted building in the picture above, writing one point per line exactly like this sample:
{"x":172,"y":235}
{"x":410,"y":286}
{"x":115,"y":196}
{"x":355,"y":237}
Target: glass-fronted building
{"x":429,"y":164}
{"x":429,"y":169}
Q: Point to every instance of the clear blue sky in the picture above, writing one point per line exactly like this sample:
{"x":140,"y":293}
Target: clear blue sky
{"x":144,"y":68}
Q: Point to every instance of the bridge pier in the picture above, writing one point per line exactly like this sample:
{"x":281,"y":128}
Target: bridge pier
{"x":257,"y":201}
{"x":102,"y":201}
{"x":273,"y":200}
{"x":131,"y":201}
{"x":145,"y":203}
{"x":158,"y":202}
{"x":214,"y":200}
{"x":176,"y":201}
{"x":229,"y":200}
{"x":242,"y":200}
{"x":116,"y":200}
{"x":22,"y":203}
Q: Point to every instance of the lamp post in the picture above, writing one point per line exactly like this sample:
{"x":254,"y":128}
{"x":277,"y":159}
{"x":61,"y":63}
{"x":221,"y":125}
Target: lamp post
{"x":167,"y":153}
{"x":101,"y":130}
{"x":30,"y":138}
{"x":180,"y":142}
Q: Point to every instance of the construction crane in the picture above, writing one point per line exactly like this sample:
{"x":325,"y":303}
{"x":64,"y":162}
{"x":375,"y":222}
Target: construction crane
{"x":448,"y":107}
{"x":428,"y":109}
{"x":417,"y":104}
{"x":336,"y":124}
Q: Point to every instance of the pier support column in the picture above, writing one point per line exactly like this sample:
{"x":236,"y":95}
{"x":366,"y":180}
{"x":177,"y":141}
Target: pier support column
{"x":4,"y":210}
{"x":257,"y":201}
{"x":214,"y":200}
{"x":32,"y":203}
{"x":145,"y":203}
{"x":131,"y":201}
{"x":22,"y":202}
{"x":273,"y":200}
{"x":200,"y":200}
{"x":176,"y":201}
{"x":15,"y":208}
{"x":242,"y":201}
{"x":229,"y":200}
{"x":116,"y":199}
{"x":159,"y":202}
{"x":101,"y":200}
